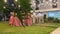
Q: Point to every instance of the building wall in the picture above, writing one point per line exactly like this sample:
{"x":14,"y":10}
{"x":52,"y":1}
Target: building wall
{"x":47,"y":4}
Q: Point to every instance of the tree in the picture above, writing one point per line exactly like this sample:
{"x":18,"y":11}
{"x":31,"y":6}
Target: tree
{"x":25,"y":4}
{"x":25,"y":7}
{"x":1,"y":4}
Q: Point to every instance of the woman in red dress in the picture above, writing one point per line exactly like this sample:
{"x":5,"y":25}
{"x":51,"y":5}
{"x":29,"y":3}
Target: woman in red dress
{"x":11,"y":18}
{"x":28,"y":21}
{"x":17,"y":22}
{"x":14,"y":20}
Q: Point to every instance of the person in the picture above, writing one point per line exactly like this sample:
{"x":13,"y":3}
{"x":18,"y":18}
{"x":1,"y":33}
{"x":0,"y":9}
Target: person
{"x":40,"y":17}
{"x":25,"y":20}
{"x":21,"y":18}
{"x":17,"y":22}
{"x":14,"y":20}
{"x":11,"y":18}
{"x":34,"y":16}
{"x":28,"y":21}
{"x":44,"y":17}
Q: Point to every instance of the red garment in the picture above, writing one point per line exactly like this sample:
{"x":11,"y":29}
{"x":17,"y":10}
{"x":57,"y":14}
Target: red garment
{"x":29,"y":21}
{"x":11,"y":20}
{"x":16,"y":21}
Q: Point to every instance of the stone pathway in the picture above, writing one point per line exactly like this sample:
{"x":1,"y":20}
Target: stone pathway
{"x":57,"y":31}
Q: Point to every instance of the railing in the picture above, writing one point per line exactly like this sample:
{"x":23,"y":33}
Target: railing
{"x":46,"y":10}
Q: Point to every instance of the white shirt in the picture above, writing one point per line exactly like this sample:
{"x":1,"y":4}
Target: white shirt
{"x":39,"y":15}
{"x":34,"y":15}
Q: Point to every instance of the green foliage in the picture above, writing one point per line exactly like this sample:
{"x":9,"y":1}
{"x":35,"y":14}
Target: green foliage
{"x":52,"y":19}
{"x":25,"y":4}
{"x":1,"y":4}
{"x":25,"y":7}
{"x":37,"y":1}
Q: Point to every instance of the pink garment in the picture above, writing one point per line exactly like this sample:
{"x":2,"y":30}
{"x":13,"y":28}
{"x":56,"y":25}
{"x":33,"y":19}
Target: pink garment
{"x":16,"y":21}
{"x":28,"y":21}
{"x":11,"y":20}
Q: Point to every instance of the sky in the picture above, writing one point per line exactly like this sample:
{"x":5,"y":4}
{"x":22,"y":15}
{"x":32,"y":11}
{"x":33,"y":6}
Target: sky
{"x":54,"y":14}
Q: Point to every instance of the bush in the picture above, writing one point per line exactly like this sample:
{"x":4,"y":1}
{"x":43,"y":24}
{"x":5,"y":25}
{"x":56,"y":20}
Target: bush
{"x":52,"y":19}
{"x":57,"y":20}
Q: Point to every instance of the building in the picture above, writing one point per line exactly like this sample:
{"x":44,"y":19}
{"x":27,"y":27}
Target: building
{"x":47,"y":6}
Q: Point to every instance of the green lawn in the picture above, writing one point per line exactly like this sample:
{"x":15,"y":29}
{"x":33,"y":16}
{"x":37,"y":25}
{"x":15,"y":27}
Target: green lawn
{"x":45,"y":28}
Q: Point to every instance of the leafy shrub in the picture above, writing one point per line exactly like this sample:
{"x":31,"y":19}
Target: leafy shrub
{"x":52,"y":19}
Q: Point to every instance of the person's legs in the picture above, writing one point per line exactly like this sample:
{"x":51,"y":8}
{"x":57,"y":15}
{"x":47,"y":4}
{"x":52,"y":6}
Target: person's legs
{"x":33,"y":19}
{"x":39,"y":19}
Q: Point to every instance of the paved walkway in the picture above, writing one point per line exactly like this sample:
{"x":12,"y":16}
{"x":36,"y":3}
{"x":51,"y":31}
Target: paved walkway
{"x":57,"y":31}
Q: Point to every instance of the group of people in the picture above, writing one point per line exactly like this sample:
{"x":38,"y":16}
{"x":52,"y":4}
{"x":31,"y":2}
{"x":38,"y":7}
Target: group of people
{"x":38,"y":17}
{"x":15,"y":21}
{"x":28,"y":20}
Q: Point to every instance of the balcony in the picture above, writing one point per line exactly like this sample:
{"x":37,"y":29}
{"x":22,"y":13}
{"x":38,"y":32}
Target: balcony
{"x":46,"y":10}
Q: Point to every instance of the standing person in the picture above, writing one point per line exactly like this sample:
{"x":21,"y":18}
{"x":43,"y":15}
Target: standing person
{"x":34,"y":17}
{"x":40,"y":17}
{"x":30,"y":19}
{"x":44,"y":17}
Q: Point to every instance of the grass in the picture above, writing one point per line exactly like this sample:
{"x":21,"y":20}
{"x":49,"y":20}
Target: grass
{"x":45,"y":28}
